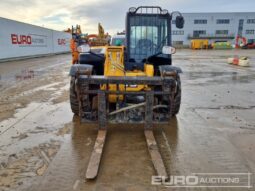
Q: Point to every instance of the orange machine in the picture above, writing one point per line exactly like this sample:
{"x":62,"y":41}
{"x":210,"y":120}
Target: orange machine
{"x":75,"y":53}
{"x":78,"y":38}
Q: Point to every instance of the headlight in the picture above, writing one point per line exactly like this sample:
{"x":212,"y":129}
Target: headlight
{"x":168,"y":50}
{"x":83,"y":48}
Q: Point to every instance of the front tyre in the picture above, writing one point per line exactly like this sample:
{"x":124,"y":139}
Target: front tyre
{"x":73,"y":97}
{"x":177,"y":96}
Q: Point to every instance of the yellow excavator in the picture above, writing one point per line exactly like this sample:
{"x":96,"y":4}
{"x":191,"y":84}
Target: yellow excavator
{"x":132,"y":84}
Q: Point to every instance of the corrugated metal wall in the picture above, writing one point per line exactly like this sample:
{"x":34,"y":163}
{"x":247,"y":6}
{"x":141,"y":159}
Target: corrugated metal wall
{"x":21,"y":40}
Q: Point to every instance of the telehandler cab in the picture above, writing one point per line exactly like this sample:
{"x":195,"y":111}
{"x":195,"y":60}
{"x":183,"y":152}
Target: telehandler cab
{"x":132,"y":84}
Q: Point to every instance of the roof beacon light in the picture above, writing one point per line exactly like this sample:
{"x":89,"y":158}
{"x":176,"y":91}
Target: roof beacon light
{"x":132,"y":9}
{"x":164,"y":11}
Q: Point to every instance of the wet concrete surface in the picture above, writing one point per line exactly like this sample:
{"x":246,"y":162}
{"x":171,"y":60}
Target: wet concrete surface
{"x":44,"y":147}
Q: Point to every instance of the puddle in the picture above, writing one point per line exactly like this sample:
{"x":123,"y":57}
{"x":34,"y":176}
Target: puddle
{"x":219,"y":77}
{"x":30,"y":140}
{"x":21,"y":167}
{"x":197,"y":75}
{"x":34,"y":124}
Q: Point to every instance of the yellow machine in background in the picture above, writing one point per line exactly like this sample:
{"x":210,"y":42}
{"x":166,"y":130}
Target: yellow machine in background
{"x":199,"y":44}
{"x":101,"y":34}
{"x":100,"y":39}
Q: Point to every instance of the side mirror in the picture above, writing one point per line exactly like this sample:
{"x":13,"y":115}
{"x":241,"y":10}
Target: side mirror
{"x":179,"y":22}
{"x":168,"y":50}
{"x":85,"y":48}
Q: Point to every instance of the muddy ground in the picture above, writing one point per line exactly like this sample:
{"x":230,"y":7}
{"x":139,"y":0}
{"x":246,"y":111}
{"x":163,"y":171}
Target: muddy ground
{"x":44,"y":147}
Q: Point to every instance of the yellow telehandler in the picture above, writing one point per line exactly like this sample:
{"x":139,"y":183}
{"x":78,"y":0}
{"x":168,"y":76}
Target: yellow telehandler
{"x":132,"y":84}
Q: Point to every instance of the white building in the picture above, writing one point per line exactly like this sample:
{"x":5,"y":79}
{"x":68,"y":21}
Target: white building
{"x":215,"y":27}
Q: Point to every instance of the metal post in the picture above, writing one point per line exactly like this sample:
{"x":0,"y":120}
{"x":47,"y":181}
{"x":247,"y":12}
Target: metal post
{"x":149,"y":110}
{"x":79,"y":97}
{"x":102,"y":109}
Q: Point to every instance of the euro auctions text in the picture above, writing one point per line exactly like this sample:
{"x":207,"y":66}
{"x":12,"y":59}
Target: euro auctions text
{"x":241,"y":180}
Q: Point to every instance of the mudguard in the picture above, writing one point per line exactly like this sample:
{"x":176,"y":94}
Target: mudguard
{"x":169,"y":68}
{"x":81,"y":68}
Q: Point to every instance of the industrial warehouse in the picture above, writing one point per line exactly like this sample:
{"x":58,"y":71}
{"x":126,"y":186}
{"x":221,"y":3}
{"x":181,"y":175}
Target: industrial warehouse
{"x":216,"y":27}
{"x":167,"y":104}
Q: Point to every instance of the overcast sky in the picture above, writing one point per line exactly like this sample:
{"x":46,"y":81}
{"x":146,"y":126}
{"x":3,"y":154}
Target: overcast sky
{"x":61,"y":14}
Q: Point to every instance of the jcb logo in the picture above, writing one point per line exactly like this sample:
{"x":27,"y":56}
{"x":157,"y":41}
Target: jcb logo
{"x":21,"y":39}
